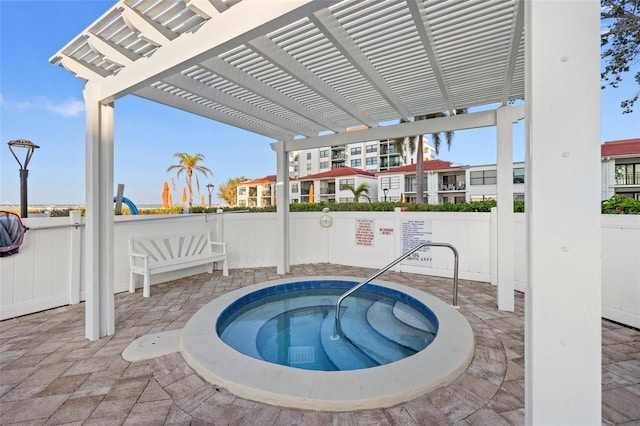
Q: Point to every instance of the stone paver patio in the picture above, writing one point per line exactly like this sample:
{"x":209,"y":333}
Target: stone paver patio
{"x":51,"y":374}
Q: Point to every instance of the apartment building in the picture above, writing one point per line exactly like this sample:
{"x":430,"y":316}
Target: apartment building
{"x":621,"y":168}
{"x":329,"y":186}
{"x":444,"y":182}
{"x":259,"y":192}
{"x":373,"y":156}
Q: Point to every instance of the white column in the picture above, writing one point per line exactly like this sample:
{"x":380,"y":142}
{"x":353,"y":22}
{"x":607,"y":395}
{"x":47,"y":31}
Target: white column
{"x":505,"y":209}
{"x":99,"y":261}
{"x":562,"y":300}
{"x":282,"y":211}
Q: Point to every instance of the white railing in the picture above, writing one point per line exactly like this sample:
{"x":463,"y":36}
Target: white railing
{"x":48,"y":270}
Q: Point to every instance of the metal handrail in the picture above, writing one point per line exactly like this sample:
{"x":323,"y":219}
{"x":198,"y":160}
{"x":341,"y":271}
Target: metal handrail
{"x":338,"y":331}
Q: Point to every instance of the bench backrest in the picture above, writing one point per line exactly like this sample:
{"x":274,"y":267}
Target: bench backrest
{"x":171,"y":246}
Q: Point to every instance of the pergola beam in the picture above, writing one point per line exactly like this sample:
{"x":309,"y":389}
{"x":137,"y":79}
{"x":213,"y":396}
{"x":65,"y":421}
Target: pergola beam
{"x":175,"y":101}
{"x":252,"y":84}
{"x":189,"y":84}
{"x":268,"y":49}
{"x":333,"y":30}
{"x":215,"y":36}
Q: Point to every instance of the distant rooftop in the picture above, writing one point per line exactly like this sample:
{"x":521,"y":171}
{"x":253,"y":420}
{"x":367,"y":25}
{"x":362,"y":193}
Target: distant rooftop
{"x":339,"y":172}
{"x":428,"y":165}
{"x":621,"y":147}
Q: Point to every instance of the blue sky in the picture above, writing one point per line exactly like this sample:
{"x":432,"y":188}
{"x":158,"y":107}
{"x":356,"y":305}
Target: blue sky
{"x":43,"y":103}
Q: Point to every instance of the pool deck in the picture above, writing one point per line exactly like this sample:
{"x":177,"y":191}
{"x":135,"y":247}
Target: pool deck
{"x":51,"y":374}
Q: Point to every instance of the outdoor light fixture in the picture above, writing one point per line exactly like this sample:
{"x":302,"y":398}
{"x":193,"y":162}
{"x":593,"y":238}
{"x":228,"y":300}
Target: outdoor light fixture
{"x":210,"y":189}
{"x":385,"y":190}
{"x":24,"y":172}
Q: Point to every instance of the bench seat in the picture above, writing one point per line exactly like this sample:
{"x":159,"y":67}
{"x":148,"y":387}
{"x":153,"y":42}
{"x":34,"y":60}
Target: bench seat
{"x":157,"y":254}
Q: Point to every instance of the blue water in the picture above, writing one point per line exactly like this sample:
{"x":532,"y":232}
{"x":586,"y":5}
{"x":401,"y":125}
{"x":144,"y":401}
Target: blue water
{"x":293,"y":325}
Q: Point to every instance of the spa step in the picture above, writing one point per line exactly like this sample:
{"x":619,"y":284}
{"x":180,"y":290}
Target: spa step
{"x":382,"y":319}
{"x":242,"y":334}
{"x":357,"y":329}
{"x":341,"y":352}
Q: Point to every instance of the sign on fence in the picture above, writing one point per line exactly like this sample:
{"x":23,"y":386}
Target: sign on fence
{"x":415,"y":232}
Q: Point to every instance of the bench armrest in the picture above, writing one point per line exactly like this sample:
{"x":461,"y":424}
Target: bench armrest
{"x":219,"y":244}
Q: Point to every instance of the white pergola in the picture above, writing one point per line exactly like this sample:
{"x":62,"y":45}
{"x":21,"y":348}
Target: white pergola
{"x":303,"y":72}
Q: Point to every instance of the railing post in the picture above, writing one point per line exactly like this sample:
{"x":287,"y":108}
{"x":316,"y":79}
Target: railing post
{"x":75,"y":264}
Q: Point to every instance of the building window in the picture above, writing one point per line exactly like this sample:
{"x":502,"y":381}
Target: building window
{"x":294,"y":188}
{"x":324,"y":164}
{"x":308,"y":167}
{"x":356,"y":163}
{"x":356,"y":151}
{"x":296,"y":168}
{"x":372,"y":148}
{"x":372,"y":161}
{"x":308,"y":156}
{"x":242,"y":203}
{"x":628,"y":174}
{"x":518,"y":175}
{"x":324,"y":153}
{"x":484,"y":177}
{"x":242,"y":190}
{"x":483,"y":197}
{"x":410,"y":183}
{"x":343,"y":182}
{"x":390,"y":182}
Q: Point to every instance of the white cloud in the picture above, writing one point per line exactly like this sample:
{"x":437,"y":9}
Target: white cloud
{"x":67,"y":109}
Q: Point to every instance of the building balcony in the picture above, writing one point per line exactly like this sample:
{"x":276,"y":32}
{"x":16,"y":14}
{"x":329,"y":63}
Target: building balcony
{"x":452,"y":188}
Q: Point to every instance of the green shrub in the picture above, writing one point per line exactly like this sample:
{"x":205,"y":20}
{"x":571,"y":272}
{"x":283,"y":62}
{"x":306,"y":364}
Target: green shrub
{"x":619,"y":204}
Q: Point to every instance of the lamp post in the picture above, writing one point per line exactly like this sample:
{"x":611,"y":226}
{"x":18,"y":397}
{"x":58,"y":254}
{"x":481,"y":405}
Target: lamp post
{"x":24,"y":172}
{"x":385,"y":190}
{"x":210,"y":189}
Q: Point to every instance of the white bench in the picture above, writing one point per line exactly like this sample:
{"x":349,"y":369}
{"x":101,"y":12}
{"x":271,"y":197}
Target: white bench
{"x":157,"y":254}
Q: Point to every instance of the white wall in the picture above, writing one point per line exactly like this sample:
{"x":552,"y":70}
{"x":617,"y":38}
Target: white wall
{"x":45,"y":274}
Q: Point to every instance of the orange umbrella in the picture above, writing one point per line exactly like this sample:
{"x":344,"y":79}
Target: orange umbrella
{"x":170,"y":200}
{"x":402,"y":198}
{"x":311,"y":194}
{"x":202,"y":201}
{"x":184,"y":195}
{"x":165,"y":196}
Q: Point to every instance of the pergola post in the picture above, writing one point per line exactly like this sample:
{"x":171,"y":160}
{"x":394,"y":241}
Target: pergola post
{"x":504,"y":179}
{"x":99,"y":257}
{"x":562,"y":299}
{"x":282,"y":209}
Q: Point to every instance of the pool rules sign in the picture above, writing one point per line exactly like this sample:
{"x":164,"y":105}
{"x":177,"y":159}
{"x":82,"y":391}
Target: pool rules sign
{"x":415,"y":232}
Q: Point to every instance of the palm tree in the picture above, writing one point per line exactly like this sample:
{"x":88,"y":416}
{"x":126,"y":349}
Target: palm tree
{"x":403,"y":147}
{"x":189,"y":164}
{"x":361,"y":191}
{"x":437,"y":139}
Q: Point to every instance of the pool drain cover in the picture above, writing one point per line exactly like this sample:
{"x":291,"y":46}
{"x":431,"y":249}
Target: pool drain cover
{"x":301,"y":355}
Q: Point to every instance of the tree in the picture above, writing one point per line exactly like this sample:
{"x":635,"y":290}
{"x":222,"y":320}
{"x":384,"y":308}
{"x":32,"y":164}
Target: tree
{"x":620,"y":44}
{"x":189,"y":164}
{"x":437,"y":139}
{"x":404,"y":147}
{"x":361,"y":191}
{"x":228,"y":190}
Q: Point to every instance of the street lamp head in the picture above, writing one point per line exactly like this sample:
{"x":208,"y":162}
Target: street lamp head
{"x":24,"y":173}
{"x":210,"y":187}
{"x":26,"y":144}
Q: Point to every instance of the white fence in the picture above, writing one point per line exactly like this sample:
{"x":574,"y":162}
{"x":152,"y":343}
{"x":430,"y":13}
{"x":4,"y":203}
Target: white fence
{"x":48,"y":271}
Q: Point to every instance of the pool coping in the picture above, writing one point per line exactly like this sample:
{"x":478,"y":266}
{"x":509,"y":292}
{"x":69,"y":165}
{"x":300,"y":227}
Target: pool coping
{"x":377,"y":387}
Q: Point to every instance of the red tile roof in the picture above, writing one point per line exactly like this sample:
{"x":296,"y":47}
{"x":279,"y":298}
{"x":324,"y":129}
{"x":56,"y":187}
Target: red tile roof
{"x":266,"y":179}
{"x":621,"y":147}
{"x":339,"y":172}
{"x":428,"y":165}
